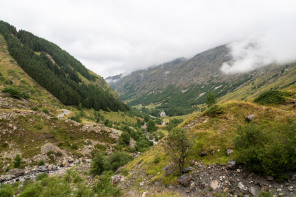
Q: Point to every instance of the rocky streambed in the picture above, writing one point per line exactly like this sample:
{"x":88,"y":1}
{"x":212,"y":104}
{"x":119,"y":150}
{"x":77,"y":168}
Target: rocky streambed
{"x":15,"y":175}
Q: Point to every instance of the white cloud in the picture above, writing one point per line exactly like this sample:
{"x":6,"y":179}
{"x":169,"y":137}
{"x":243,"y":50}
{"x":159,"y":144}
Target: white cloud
{"x":114,"y":36}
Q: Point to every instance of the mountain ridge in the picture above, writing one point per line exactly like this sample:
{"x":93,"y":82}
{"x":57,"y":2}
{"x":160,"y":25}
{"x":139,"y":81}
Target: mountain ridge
{"x":180,"y":87}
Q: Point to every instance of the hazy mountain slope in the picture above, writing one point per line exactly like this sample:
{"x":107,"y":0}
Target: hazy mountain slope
{"x":179,"y":86}
{"x":59,"y":72}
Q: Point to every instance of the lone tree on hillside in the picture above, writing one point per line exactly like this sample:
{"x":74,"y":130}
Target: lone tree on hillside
{"x":178,"y":146}
{"x":211,"y":99}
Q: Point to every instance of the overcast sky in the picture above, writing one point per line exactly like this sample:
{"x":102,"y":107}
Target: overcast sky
{"x":115,"y":36}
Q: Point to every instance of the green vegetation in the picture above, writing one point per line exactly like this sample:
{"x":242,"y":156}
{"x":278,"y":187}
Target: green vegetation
{"x":55,"y":64}
{"x":15,"y":92}
{"x":272,"y":97}
{"x":17,"y":161}
{"x":214,"y":111}
{"x":211,"y":99}
{"x":173,"y":123}
{"x":178,"y":147}
{"x":101,"y":162}
{"x":267,"y":149}
{"x":124,"y":138}
{"x":151,"y":126}
{"x":71,"y":184}
{"x":105,"y":188}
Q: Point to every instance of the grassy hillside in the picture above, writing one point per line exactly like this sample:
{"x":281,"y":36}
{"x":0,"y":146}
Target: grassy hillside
{"x":13,"y":75}
{"x":211,"y":136}
{"x":46,"y":63}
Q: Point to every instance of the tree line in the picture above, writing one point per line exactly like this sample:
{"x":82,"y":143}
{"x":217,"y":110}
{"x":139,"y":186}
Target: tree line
{"x":58,"y":75}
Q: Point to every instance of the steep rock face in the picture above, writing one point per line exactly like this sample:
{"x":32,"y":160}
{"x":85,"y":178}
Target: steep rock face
{"x":180,"y":85}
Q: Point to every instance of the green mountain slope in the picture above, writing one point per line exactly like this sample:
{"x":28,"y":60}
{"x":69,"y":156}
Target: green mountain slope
{"x":59,"y":72}
{"x":180,"y":86}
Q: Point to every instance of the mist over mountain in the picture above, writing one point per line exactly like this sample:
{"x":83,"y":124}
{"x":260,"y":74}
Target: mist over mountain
{"x":181,"y":85}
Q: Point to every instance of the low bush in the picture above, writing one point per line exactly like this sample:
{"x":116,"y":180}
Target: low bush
{"x":104,"y":188}
{"x":214,"y":111}
{"x":17,"y":161}
{"x":101,"y":163}
{"x":124,"y":138}
{"x":41,"y":176}
{"x":117,"y":159}
{"x":16,"y":93}
{"x":6,"y":191}
{"x":272,"y":97}
{"x":267,"y":149}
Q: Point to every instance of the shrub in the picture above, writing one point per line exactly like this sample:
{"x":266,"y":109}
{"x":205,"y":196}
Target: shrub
{"x":117,"y":159}
{"x":104,"y":188}
{"x":267,"y":149}
{"x":41,"y":176}
{"x":124,"y":138}
{"x":151,"y":126}
{"x":97,"y":164}
{"x":108,"y":123}
{"x":211,"y":99}
{"x":272,"y":97}
{"x":76,"y":118}
{"x":31,"y":191}
{"x":6,"y":191}
{"x":14,"y":92}
{"x":143,"y":144}
{"x":45,"y":110}
{"x":17,"y":161}
{"x":214,"y":111}
{"x":41,"y":163}
{"x":173,"y":123}
{"x":156,"y":159}
{"x":34,"y":108}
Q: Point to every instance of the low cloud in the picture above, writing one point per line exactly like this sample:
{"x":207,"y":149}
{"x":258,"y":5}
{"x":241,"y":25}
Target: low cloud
{"x":274,"y":45}
{"x":115,"y":36}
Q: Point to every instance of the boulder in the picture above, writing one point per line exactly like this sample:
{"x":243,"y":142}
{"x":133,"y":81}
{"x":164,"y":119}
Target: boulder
{"x":242,"y":187}
{"x":253,"y":191}
{"x":16,"y":172}
{"x":231,"y":165}
{"x":185,"y":180}
{"x":250,"y":117}
{"x":229,"y":152}
{"x":192,"y":185}
{"x":115,"y":179}
{"x":189,"y":169}
{"x":215,"y":184}
{"x":203,"y":153}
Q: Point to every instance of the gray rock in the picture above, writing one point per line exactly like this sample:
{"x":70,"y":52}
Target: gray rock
{"x":241,"y":186}
{"x":253,"y":191}
{"x":229,"y":152}
{"x":192,"y":185}
{"x":202,"y":185}
{"x":4,"y":169}
{"x":269,"y":178}
{"x":115,"y":179}
{"x":185,"y":180}
{"x":250,"y":117}
{"x":215,"y":184}
{"x":42,"y":168}
{"x":231,"y":165}
{"x":16,"y":172}
{"x":203,"y":153}
{"x":189,"y":169}
{"x":169,"y":170}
